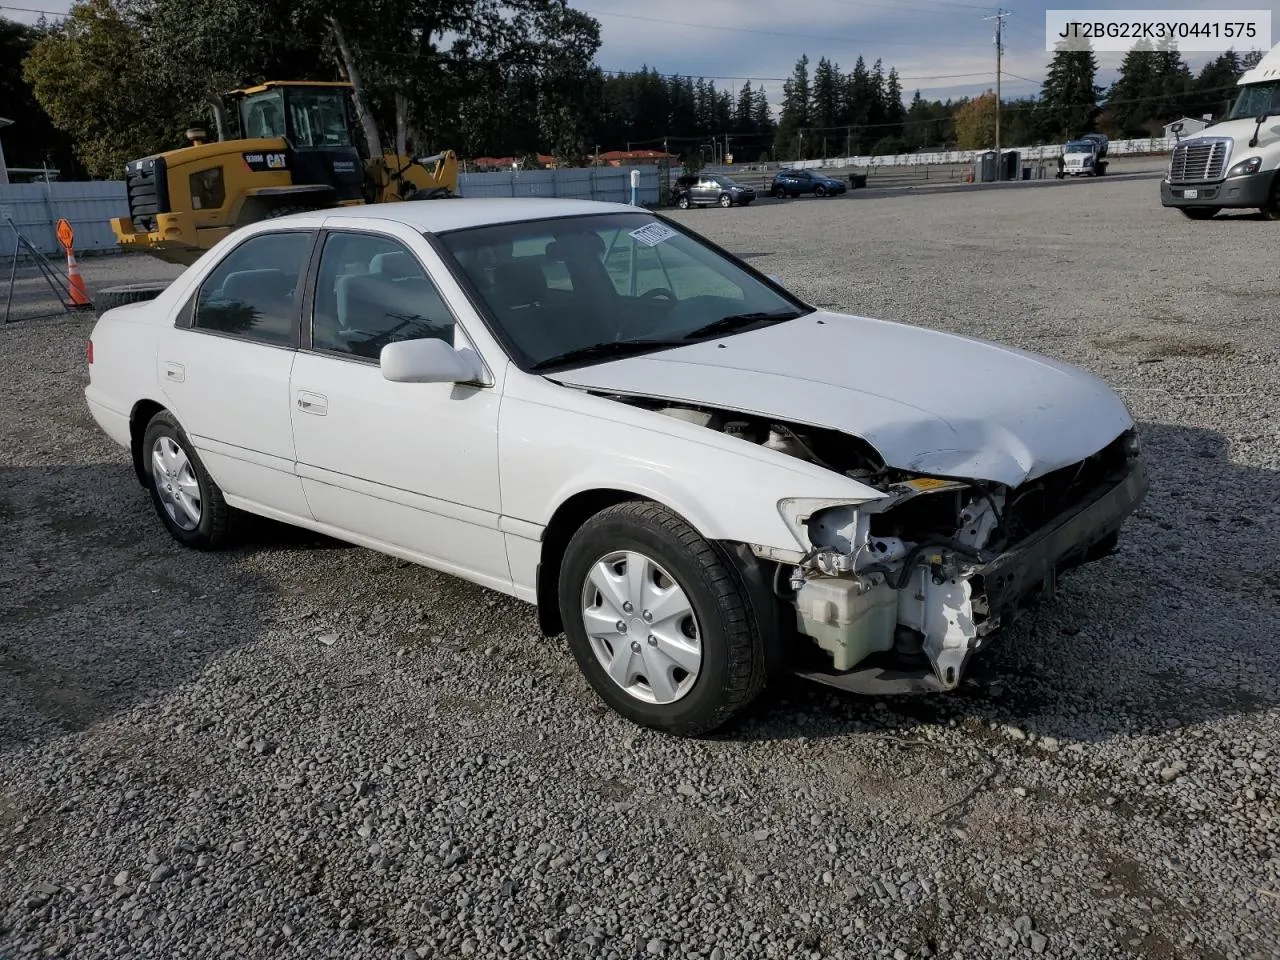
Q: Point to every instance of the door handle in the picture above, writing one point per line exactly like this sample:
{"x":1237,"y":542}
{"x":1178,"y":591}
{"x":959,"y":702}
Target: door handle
{"x":312,"y":403}
{"x":175,"y":372}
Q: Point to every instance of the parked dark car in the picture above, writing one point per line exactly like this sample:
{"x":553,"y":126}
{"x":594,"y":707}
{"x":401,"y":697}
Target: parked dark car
{"x":792,"y":183}
{"x":696,"y":190}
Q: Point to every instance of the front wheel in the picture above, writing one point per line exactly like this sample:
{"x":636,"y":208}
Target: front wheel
{"x":1272,"y":209}
{"x":1200,"y":213}
{"x":819,"y":191}
{"x":683,"y":203}
{"x":726,"y":201}
{"x":188,"y":501}
{"x":659,"y":621}
{"x":779,"y":193}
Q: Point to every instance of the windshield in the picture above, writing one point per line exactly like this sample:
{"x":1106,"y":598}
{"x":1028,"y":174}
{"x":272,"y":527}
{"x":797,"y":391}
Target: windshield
{"x":263,"y":115}
{"x":1255,"y":100}
{"x":561,"y":285}
{"x":319,"y":118}
{"x":1079,"y":148}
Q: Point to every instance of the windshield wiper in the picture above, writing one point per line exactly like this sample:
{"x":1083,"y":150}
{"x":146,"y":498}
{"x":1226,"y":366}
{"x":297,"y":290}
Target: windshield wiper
{"x":609,"y":348}
{"x":736,"y":320}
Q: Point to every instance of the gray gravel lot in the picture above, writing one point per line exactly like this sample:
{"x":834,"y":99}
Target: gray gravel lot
{"x":302,"y":749}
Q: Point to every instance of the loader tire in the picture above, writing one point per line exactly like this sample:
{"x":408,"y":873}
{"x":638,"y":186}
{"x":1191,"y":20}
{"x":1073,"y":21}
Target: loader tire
{"x":109,"y":297}
{"x":431,"y":193}
{"x":285,"y":211}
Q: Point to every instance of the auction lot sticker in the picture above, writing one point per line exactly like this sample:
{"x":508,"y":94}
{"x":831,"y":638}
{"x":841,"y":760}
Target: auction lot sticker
{"x":652,"y":234}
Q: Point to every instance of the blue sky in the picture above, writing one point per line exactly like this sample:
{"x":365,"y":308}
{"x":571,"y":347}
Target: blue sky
{"x":942,"y":47}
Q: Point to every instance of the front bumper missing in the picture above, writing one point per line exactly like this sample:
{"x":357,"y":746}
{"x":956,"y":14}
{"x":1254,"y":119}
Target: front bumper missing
{"x":1009,"y":583}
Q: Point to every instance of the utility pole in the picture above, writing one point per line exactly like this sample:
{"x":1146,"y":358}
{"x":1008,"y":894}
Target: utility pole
{"x":999,"y":19}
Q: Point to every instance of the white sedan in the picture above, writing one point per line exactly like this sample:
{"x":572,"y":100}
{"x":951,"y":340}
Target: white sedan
{"x":697,"y":477}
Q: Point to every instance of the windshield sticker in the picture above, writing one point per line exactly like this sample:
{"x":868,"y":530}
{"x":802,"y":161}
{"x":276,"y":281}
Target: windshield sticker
{"x":652,"y":234}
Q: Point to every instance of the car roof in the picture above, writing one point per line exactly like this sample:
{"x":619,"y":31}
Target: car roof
{"x":456,"y":213}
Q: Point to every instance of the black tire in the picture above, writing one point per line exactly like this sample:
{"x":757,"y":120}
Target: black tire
{"x":1200,"y":213}
{"x":733,"y":669}
{"x":1272,"y":209}
{"x":110,"y":297}
{"x":214,"y":529}
{"x":683,"y":202}
{"x":285,"y":211}
{"x":779,"y":193}
{"x":430,"y":193}
{"x":819,"y":191}
{"x":726,"y":201}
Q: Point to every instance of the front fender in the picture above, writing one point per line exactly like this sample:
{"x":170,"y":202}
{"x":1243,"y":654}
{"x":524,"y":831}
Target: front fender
{"x":557,"y":442}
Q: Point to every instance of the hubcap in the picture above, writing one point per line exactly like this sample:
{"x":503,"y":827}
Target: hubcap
{"x":175,"y":483}
{"x":641,"y":627}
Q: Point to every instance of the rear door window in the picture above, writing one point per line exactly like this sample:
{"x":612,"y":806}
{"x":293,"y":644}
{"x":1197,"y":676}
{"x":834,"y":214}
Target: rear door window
{"x":253,"y":293}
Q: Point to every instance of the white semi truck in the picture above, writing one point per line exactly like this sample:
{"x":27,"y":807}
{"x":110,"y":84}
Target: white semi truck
{"x":1234,"y":163}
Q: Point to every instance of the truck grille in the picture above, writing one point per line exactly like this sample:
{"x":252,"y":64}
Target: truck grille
{"x":1200,"y":160}
{"x":148,"y":184}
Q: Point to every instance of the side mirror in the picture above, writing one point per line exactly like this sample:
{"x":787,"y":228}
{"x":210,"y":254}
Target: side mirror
{"x":425,"y":361}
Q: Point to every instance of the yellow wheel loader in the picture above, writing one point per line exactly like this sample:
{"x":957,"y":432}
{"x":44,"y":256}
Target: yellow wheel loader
{"x":297,"y":150}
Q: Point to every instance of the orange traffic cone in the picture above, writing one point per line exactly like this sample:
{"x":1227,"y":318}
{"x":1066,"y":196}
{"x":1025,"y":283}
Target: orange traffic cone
{"x":75,"y":283}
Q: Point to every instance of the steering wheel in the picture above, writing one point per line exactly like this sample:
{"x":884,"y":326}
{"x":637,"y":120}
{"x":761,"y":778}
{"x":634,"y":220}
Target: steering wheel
{"x":657,"y":292}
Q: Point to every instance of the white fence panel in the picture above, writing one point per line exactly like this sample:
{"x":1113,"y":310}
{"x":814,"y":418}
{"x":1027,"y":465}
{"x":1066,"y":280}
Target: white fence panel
{"x":35,"y":209}
{"x":1050,"y":151}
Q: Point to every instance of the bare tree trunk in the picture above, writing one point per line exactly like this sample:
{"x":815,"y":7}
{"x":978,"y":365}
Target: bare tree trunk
{"x":402,"y":124}
{"x":371,"y":135}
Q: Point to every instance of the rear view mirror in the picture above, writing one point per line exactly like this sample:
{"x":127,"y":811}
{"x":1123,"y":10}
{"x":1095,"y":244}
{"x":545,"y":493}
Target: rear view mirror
{"x":425,"y":361}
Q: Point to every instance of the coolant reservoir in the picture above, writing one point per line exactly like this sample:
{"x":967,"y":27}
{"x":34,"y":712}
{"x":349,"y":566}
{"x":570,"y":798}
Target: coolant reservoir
{"x":849,"y":618}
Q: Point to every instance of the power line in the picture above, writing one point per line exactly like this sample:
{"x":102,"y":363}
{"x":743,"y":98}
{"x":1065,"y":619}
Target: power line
{"x":769,"y":33}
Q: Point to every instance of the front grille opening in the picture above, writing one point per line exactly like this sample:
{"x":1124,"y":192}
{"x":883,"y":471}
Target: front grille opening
{"x":1034,"y":504}
{"x":1198,"y":161}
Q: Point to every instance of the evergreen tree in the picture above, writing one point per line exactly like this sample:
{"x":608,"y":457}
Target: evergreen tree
{"x":1069,"y":96}
{"x":1130,"y":101}
{"x":894,"y":112}
{"x":825,"y":109}
{"x":1173,"y":83}
{"x":1215,"y":86}
{"x":794,"y":117}
{"x":744,"y":111}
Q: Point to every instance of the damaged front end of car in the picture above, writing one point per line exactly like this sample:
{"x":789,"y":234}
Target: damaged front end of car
{"x":900,"y":592}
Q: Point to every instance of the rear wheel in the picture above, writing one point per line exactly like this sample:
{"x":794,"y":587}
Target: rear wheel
{"x":659,"y":621}
{"x":1200,"y":213}
{"x":189,"y":503}
{"x":779,"y":193}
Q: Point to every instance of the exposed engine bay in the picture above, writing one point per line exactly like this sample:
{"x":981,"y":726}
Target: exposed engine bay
{"x":900,"y":590}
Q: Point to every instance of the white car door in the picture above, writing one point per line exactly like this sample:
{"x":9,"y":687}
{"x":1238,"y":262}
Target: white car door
{"x":409,"y":465}
{"x":225,"y":366}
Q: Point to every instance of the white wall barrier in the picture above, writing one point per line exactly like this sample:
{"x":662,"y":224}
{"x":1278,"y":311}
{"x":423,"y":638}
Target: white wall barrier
{"x":89,"y":206}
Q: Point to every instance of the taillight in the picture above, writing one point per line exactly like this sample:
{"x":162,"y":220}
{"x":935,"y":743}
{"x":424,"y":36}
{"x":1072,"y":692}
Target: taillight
{"x":90,"y":351}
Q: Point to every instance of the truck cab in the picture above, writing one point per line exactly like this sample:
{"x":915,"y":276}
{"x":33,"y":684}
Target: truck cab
{"x":1233,"y":163}
{"x":1085,"y":157}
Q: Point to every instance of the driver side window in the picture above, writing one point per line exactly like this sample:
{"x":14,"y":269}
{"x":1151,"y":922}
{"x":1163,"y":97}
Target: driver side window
{"x":370,"y":291}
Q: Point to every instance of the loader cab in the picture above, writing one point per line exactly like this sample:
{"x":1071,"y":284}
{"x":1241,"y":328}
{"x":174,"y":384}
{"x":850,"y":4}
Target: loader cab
{"x":316,"y":121}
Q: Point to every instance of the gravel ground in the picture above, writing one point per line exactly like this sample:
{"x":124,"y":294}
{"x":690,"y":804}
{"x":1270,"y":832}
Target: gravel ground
{"x":299,"y":748}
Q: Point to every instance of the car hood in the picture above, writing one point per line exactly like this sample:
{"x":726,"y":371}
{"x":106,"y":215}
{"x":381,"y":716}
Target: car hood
{"x":928,"y":401}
